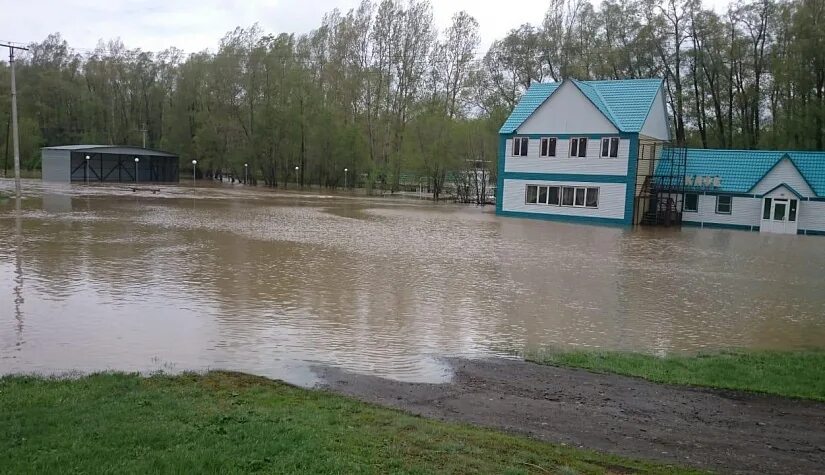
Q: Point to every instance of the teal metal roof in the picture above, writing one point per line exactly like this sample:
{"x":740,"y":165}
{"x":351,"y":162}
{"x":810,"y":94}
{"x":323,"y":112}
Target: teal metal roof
{"x":530,"y":101}
{"x":626,"y":103}
{"x":741,"y":170}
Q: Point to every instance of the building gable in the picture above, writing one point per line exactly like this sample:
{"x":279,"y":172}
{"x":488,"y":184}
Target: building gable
{"x":656,"y":124}
{"x":567,"y":111}
{"x":783,"y":173}
{"x":782,"y":191}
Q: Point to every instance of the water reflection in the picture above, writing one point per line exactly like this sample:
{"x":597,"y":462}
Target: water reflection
{"x":18,"y":271}
{"x":273,"y":283}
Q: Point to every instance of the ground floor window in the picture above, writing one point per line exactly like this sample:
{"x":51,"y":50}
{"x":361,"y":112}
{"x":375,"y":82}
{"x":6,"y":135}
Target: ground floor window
{"x":766,"y":211}
{"x":579,"y":197}
{"x":724,"y":204}
{"x":692,"y":202}
{"x":567,"y":196}
{"x":592,"y":200}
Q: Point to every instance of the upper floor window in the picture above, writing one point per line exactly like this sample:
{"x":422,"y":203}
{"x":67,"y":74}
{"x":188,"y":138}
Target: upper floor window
{"x":610,"y":147}
{"x":520,"y":145}
{"x":548,"y":147}
{"x":578,"y":147}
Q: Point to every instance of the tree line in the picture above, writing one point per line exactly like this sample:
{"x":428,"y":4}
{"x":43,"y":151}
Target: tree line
{"x":379,"y":91}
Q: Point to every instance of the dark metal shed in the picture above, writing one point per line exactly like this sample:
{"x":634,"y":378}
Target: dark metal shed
{"x":108,"y":163}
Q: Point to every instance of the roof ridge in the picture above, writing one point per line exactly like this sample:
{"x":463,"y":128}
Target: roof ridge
{"x":750,"y":150}
{"x":609,"y":115}
{"x":607,"y":106}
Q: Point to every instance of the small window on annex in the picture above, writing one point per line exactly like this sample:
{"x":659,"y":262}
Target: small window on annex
{"x":723,"y":204}
{"x":691,"y":202}
{"x":578,"y":147}
{"x":766,"y":210}
{"x":610,"y":147}
{"x":520,"y":145}
{"x":548,"y":147}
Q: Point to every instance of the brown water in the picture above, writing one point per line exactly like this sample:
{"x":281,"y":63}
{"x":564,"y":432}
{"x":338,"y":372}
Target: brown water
{"x":104,"y":278}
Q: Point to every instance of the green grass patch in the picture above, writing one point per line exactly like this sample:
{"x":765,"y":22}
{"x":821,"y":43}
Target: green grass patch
{"x":798,"y":374}
{"x":233,"y":423}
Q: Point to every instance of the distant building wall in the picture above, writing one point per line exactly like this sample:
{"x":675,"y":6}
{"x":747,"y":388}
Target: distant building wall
{"x":55,"y":164}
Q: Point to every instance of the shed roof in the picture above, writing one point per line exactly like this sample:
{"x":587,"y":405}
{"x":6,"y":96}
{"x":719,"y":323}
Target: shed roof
{"x":626,"y":103}
{"x":114,"y":149}
{"x":741,"y":170}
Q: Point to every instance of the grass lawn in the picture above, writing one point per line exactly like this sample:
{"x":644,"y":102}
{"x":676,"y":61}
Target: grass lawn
{"x":799,"y":374}
{"x":235,"y":423}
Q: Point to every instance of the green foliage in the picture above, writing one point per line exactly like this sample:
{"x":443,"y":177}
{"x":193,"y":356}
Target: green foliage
{"x":361,"y":91}
{"x":234,"y":423}
{"x":798,"y":374}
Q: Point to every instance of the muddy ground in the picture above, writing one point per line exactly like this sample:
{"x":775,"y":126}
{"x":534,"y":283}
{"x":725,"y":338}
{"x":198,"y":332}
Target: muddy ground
{"x":719,"y":430}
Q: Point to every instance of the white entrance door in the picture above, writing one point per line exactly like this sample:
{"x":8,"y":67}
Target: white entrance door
{"x":779,"y":215}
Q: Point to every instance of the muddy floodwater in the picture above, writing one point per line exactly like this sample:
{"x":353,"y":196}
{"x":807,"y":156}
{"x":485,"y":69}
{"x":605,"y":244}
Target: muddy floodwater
{"x":96,"y":278}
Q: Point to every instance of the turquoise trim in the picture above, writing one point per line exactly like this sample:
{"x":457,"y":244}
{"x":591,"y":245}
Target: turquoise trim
{"x":502,"y":151}
{"x":535,"y":96}
{"x":739,"y":227}
{"x":810,"y":232}
{"x":602,"y":107}
{"x":563,"y":218}
{"x":564,"y":177}
{"x":796,"y":167}
{"x":622,"y":135}
{"x":624,"y":103}
{"x":798,"y":195}
{"x":717,"y":193}
{"x":630,"y":179}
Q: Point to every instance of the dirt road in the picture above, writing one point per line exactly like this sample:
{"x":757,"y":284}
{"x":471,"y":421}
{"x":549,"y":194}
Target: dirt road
{"x":726,"y":431}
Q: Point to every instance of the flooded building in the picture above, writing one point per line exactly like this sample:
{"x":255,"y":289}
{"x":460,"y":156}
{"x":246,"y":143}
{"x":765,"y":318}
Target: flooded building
{"x":600,"y":152}
{"x":108,"y":163}
{"x":758,"y":190}
{"x":570,"y":150}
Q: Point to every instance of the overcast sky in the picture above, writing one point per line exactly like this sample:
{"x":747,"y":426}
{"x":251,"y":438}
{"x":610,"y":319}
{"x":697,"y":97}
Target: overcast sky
{"x":195,"y":25}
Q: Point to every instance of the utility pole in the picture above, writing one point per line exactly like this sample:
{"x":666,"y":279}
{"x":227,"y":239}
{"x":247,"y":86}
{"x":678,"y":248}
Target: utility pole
{"x":144,"y":135}
{"x":14,"y":119}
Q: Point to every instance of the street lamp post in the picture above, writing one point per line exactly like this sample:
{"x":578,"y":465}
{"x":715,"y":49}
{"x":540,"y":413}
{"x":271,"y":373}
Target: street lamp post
{"x":245,"y":173}
{"x":345,"y":178}
{"x":194,"y":166}
{"x":136,"y":169}
{"x":296,"y":177}
{"x":87,"y":169}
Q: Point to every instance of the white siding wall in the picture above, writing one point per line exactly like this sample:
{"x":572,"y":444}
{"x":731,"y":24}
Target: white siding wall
{"x":748,"y":212}
{"x":611,"y":199}
{"x":781,"y":192}
{"x":656,"y":124}
{"x":562,"y":163}
{"x":784,"y":172}
{"x":568,"y":111}
{"x":744,"y":211}
{"x":812,"y":215}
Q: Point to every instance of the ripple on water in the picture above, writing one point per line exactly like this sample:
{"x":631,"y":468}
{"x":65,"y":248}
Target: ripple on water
{"x":275,"y":283}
